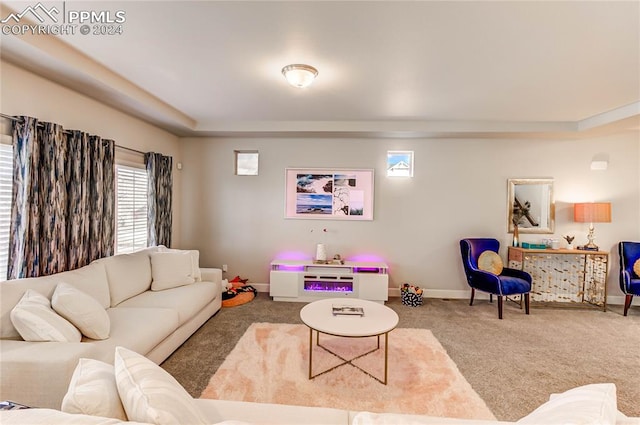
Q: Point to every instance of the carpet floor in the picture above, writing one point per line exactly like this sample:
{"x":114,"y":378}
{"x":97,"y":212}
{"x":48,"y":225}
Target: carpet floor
{"x":270,"y":365}
{"x":513,"y":364}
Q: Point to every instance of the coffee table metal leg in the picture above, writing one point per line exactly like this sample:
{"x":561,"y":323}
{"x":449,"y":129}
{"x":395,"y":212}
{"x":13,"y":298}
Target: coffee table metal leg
{"x":386,"y":354}
{"x":310,"y":350}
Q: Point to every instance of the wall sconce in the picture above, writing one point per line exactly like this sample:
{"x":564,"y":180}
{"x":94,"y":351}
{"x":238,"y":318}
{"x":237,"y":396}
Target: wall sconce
{"x":593,"y":212}
{"x":299,"y":75}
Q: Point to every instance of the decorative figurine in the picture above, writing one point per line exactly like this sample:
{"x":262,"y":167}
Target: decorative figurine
{"x":569,"y":240}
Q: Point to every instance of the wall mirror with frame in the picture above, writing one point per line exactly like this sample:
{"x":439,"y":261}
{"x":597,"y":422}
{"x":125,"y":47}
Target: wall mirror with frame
{"x":530,"y":205}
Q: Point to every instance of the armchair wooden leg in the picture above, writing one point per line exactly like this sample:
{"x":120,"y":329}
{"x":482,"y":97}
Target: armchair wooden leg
{"x":473,"y":293}
{"x":526,"y":303}
{"x":627,"y":303}
{"x":499,"y":306}
{"x":490,"y":298}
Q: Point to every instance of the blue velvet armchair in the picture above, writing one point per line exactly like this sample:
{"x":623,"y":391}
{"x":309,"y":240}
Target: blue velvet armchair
{"x":629,"y":280}
{"x":508,"y":282}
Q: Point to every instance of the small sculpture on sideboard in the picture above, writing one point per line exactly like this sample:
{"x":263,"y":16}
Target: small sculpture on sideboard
{"x":569,"y":240}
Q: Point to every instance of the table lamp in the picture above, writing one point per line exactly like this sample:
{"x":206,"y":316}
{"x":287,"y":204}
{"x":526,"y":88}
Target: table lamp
{"x":592,"y":212}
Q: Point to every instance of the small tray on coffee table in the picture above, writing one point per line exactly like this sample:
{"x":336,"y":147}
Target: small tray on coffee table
{"x":347,"y":310}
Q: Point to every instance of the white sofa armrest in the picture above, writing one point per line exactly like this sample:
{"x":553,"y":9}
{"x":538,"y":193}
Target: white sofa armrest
{"x":622,"y":419}
{"x":211,"y":274}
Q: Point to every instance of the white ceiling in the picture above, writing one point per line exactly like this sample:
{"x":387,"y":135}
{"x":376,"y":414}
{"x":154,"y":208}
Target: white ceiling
{"x":386,"y":68}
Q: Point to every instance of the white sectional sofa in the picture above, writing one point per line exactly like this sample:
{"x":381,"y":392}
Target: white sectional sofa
{"x":222,"y":412}
{"x":135,"y":390}
{"x":150,"y":322}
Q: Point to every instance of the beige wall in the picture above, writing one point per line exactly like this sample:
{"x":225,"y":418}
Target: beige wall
{"x":24,"y":93}
{"x":459,"y":190}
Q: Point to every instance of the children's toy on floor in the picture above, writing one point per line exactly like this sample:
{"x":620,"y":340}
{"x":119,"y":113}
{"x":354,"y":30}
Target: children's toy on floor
{"x":237,"y":292}
{"x":411,"y":295}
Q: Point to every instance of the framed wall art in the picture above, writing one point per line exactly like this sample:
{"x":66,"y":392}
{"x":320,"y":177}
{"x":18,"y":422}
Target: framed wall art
{"x":334,"y":194}
{"x":530,"y":205}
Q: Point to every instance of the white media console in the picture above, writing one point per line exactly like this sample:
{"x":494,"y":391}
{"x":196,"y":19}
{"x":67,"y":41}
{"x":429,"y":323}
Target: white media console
{"x":307,"y":281}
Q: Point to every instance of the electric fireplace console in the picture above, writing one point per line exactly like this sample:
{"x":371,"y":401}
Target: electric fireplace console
{"x":306,"y":281}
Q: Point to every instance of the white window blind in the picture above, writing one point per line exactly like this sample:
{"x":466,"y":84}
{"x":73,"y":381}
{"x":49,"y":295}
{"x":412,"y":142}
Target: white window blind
{"x":6,"y":183}
{"x":131,"y":209}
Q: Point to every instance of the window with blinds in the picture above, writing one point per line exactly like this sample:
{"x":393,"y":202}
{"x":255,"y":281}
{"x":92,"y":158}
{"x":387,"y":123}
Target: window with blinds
{"x":131,"y":208}
{"x":6,"y":183}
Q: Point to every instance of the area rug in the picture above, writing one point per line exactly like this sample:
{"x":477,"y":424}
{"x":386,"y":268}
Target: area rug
{"x":270,"y":362}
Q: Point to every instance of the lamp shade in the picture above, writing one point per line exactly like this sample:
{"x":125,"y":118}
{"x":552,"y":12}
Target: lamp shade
{"x":592,"y":212}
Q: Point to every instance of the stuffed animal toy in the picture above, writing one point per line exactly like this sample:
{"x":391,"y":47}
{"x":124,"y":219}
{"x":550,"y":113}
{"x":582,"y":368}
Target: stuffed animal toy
{"x":237,"y":282}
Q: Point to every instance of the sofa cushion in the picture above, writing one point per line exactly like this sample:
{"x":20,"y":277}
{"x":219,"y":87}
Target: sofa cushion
{"x":93,"y":391}
{"x":171,"y":269}
{"x":139,"y":329}
{"x":82,"y":310}
{"x":150,"y":394}
{"x":195,"y":260}
{"x":90,"y":279}
{"x":35,"y":320}
{"x":128,"y":274}
{"x":185,"y":300}
{"x":590,"y":404}
{"x":38,"y":373}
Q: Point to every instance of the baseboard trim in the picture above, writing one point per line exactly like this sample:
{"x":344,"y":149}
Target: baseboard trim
{"x":260,"y":287}
{"x":455,"y":294}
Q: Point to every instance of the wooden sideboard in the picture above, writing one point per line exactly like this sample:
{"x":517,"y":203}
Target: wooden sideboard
{"x":564,"y":275}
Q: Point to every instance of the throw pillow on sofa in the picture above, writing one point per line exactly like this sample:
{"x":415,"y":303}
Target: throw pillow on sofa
{"x":195,"y":260}
{"x":150,"y":394}
{"x":171,"y":269}
{"x":93,"y":391}
{"x":81,"y":309}
{"x":35,"y":320}
{"x":593,"y":404}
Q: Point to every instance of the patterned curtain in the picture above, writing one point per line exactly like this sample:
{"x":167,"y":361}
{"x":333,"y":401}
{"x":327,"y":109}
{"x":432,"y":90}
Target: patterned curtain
{"x":24,"y":258}
{"x":159,"y":198}
{"x":91,"y":188}
{"x":63,"y":199}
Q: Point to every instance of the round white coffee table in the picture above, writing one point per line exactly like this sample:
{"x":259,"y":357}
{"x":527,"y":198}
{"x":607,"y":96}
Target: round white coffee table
{"x":376,"y":320}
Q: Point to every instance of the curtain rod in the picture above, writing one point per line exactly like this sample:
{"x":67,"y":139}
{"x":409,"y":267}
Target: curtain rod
{"x":17,"y":119}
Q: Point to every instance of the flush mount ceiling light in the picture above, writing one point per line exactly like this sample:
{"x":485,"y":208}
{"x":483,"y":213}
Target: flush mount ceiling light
{"x":299,"y":75}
